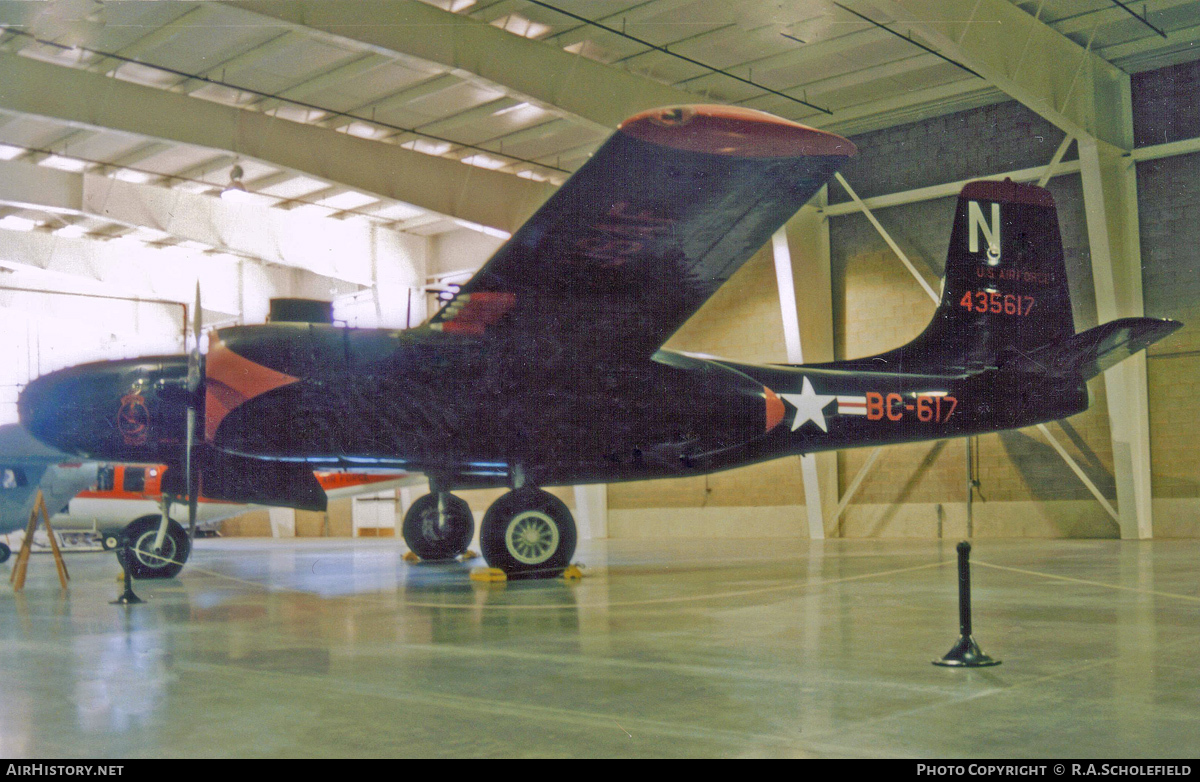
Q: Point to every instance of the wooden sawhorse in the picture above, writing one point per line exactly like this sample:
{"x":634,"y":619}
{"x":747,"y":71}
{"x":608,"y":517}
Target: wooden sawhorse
{"x":17,"y":579}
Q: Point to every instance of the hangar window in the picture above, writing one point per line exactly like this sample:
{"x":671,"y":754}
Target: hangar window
{"x":106,"y":478}
{"x":134,"y":480}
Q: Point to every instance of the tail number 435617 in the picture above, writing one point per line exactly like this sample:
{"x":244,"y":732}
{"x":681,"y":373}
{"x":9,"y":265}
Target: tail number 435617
{"x":996,"y":302}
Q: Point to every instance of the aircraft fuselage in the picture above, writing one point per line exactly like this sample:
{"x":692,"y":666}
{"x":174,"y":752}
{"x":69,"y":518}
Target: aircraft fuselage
{"x":436,"y":403}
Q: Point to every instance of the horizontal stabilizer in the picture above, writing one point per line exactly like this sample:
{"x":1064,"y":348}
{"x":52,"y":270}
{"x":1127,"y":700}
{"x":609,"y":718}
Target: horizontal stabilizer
{"x":1095,"y":350}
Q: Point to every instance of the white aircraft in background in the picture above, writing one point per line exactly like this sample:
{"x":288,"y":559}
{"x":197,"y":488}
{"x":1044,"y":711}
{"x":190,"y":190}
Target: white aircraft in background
{"x":107,"y":500}
{"x":25,"y":466}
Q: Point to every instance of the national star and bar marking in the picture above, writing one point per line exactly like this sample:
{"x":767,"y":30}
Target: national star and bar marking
{"x":851,"y":405}
{"x":810,"y":406}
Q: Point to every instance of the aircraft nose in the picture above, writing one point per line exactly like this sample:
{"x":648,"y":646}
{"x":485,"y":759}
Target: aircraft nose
{"x":126,"y":410}
{"x":48,"y":411}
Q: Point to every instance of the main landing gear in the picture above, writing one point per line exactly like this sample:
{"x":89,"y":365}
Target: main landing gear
{"x":527,"y":533}
{"x":438,"y":526}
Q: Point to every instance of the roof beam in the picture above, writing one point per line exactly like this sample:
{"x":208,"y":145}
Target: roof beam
{"x":241,"y":60}
{"x":331,"y":248}
{"x":341,"y":73}
{"x":1084,"y":21}
{"x":539,"y":72}
{"x":197,"y":14}
{"x":1070,"y":86}
{"x":910,"y":106}
{"x":408,"y":93}
{"x":84,"y":99}
{"x":1183,"y":48}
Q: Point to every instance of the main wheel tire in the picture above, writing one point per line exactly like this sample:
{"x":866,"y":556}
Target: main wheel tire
{"x":528,"y":533}
{"x":109,"y":540}
{"x":5,"y":552}
{"x":428,"y":538}
{"x":137,"y":555}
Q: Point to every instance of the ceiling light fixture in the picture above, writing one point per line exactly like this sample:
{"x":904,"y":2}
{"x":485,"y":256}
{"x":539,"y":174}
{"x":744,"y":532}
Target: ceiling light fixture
{"x":235,"y":189}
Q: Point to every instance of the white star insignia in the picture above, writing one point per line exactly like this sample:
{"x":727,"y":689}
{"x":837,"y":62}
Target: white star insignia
{"x":810,"y":406}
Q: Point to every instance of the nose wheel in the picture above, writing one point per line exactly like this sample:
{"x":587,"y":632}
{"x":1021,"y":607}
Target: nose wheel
{"x":528,"y":533}
{"x":438,"y":526}
{"x":142,"y":560}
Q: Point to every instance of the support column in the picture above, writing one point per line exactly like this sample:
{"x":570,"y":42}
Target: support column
{"x":283,"y":522}
{"x":807,"y":311}
{"x":1110,"y":200}
{"x":406,"y":495}
{"x":591,"y":510}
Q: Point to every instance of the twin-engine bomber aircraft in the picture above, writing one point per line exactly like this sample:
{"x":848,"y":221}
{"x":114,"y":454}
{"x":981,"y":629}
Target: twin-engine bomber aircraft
{"x":547,"y":367}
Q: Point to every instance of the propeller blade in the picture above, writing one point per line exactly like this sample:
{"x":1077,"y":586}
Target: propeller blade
{"x":194,"y":373}
{"x":190,"y":471}
{"x":195,"y":379}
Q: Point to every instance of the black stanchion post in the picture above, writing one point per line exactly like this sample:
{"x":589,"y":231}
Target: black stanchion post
{"x":966,"y":653}
{"x":128,"y":598}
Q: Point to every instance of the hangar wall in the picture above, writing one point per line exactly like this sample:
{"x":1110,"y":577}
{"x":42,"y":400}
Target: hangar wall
{"x":1166,"y":110}
{"x":919,"y":490}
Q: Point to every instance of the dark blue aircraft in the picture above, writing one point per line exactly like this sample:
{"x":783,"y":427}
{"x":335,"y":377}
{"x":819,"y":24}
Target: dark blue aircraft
{"x":547,"y":368}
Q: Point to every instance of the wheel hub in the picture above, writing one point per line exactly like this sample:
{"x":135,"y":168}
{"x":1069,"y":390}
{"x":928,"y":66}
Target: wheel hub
{"x":432,"y":528}
{"x":532,"y":537}
{"x":149,"y":556}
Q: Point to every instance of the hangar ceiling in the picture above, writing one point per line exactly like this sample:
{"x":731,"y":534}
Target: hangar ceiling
{"x":122,"y":122}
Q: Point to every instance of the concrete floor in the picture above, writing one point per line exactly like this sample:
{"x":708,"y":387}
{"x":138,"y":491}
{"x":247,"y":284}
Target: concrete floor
{"x":337,"y":648}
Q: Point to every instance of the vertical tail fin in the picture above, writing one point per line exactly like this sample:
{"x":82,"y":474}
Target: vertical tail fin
{"x":1005,"y":289}
{"x":1005,"y":300}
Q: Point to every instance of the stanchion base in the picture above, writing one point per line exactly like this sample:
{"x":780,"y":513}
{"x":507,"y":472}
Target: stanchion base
{"x":966,"y":654}
{"x":128,"y":598}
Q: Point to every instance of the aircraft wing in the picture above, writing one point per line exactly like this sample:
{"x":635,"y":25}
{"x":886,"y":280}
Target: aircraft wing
{"x":641,"y":235}
{"x":26,"y":466}
{"x":20,"y":447}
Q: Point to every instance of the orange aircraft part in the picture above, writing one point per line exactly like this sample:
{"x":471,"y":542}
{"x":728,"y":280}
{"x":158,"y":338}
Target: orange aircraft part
{"x":732,"y":130}
{"x":775,"y":408}
{"x":231,"y":381}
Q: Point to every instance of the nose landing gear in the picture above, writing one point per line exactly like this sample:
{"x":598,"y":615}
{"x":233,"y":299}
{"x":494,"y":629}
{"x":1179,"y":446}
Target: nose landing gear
{"x":140,"y":557}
